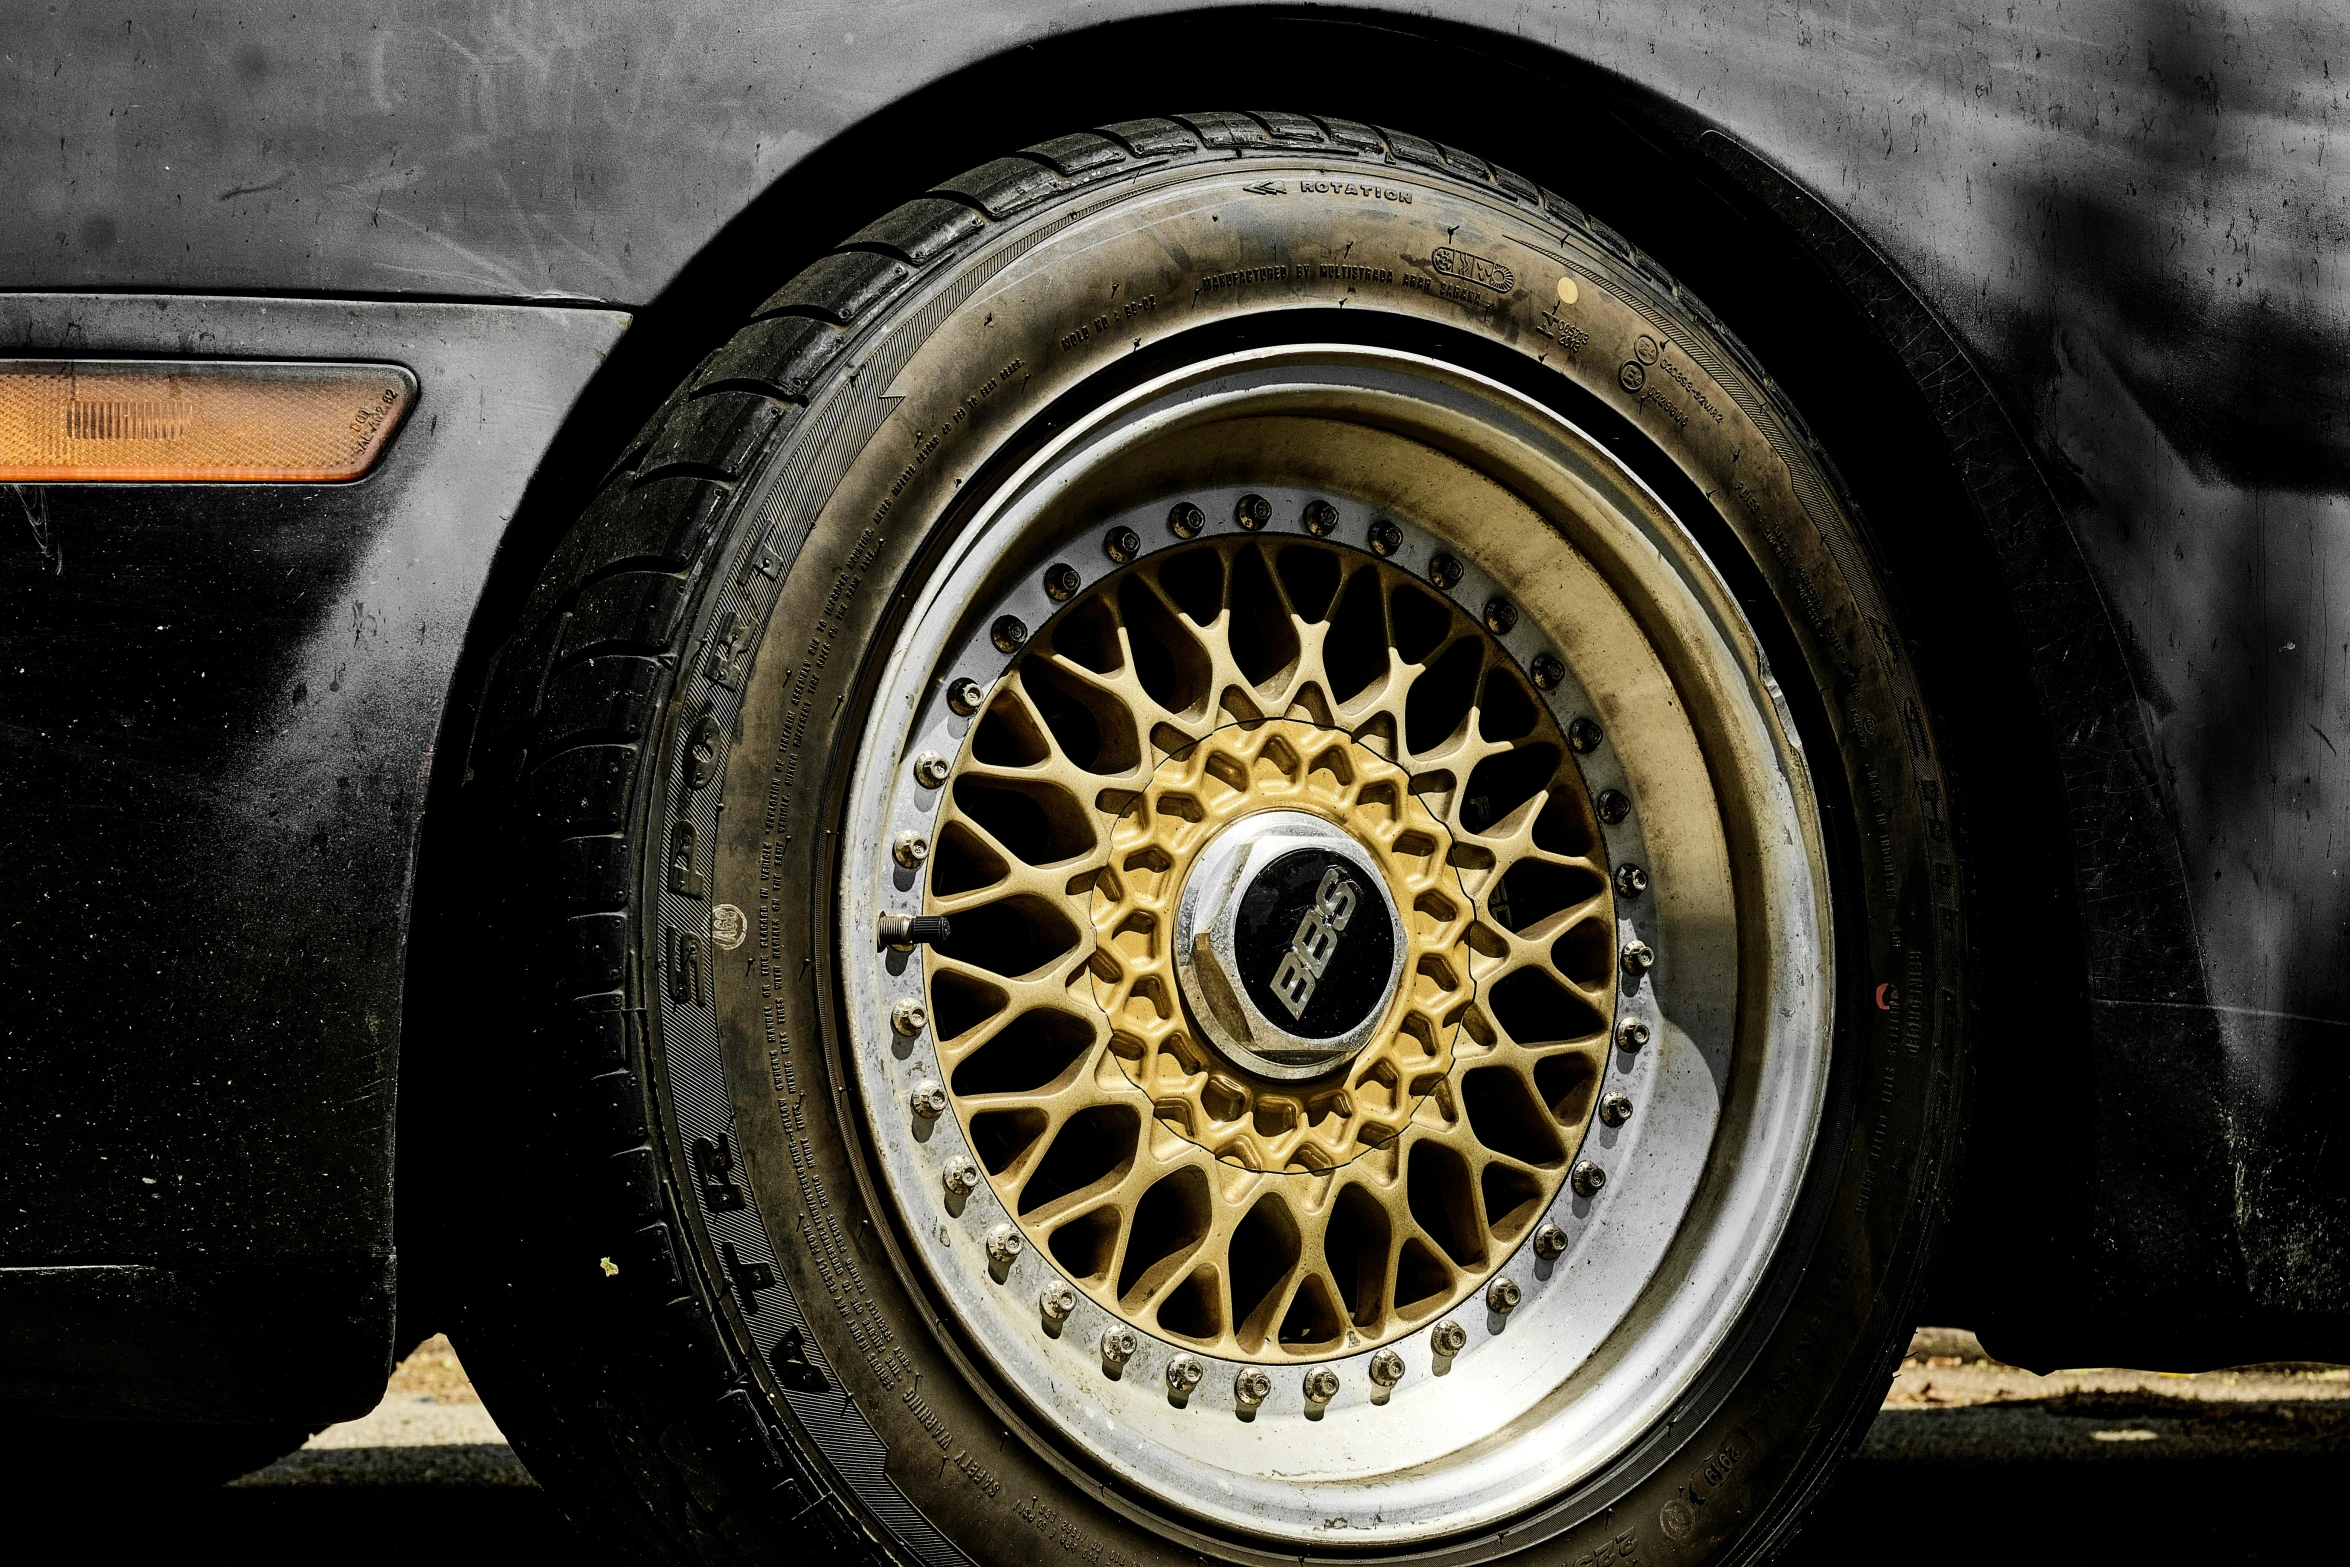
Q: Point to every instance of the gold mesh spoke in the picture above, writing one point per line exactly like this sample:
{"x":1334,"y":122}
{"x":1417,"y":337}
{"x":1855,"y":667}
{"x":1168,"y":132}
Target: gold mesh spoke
{"x":1264,"y":1219}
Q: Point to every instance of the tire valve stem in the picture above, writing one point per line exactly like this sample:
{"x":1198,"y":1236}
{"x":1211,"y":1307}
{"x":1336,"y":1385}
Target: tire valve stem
{"x":1118,"y":1345}
{"x":1386,"y":1372}
{"x":1003,"y":1249}
{"x":1588,"y":1178}
{"x":1447,"y":1339}
{"x":1054,"y":1305}
{"x":1321,"y":1387}
{"x":1183,"y":1379}
{"x":1503,"y":1296}
{"x":905,"y":932}
{"x":1550,"y":1243}
{"x":1250,"y":1389}
{"x":929,"y":1100}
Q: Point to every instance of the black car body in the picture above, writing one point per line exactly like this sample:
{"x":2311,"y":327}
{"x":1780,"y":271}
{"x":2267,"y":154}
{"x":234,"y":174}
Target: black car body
{"x":2062,"y":289}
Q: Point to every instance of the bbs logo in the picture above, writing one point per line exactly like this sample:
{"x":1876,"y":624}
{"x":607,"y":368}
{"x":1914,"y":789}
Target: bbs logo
{"x":1316,"y":941}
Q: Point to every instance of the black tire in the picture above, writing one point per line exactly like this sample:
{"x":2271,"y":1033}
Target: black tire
{"x":605,"y":1324}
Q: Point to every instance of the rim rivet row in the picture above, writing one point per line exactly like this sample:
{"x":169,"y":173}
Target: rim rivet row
{"x":1548,"y":671}
{"x":1615,"y":1109}
{"x":1118,"y":1346}
{"x":1003,"y":1245}
{"x":929,"y":1100}
{"x":1009,"y":633}
{"x":1639,"y":958}
{"x":1057,"y":1302}
{"x":1061,"y":582}
{"x":1183,"y":1379}
{"x":1550,"y":1243}
{"x":1632,"y":1033}
{"x":1614,"y":805}
{"x":1386,"y":1368}
{"x":1631,"y":881}
{"x":964,"y":696}
{"x":907,"y":1016}
{"x":1321,"y":519}
{"x":1186,"y":520}
{"x":1385,"y":537}
{"x":1122,"y":545}
{"x":910,"y":850}
{"x":1321,"y":1386}
{"x":1503,"y":1296}
{"x":1252,"y":513}
{"x":1501,"y":616}
{"x":1448,"y":1338}
{"x":930,"y":770}
{"x":1445,"y":571}
{"x":1584,"y":734}
{"x":961,"y":1176}
{"x":1588,"y":1178}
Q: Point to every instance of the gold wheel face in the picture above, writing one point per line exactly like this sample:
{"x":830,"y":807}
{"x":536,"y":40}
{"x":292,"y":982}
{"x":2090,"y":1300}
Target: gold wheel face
{"x":1261,"y":1217}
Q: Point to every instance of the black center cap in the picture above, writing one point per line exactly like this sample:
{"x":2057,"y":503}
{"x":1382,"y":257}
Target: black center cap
{"x":1314,"y":943}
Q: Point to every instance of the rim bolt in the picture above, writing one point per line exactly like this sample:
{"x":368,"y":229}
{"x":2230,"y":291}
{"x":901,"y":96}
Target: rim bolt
{"x":1253,"y":512}
{"x":1385,"y":537}
{"x":1548,"y":671}
{"x":1588,"y":1178}
{"x":1631,"y":881}
{"x":1615,"y":1109}
{"x":1057,"y":1302}
{"x":1448,"y":1338}
{"x":964,"y":696}
{"x":1122,"y":545}
{"x":1321,"y":1385}
{"x":1183,"y":1377}
{"x":1445,"y":571}
{"x":1061,"y":582}
{"x":907,"y":1016}
{"x":1118,"y":1345}
{"x":1584,"y":734}
{"x":930,"y":770}
{"x":929,"y":1100}
{"x":1550,"y":1243}
{"x":1501,"y":617}
{"x":1632,"y":1033}
{"x":1639,"y":957}
{"x":1386,"y":1368}
{"x":1003,"y":1245}
{"x":1503,"y":1296}
{"x":910,"y":850}
{"x":1614,"y":806}
{"x":1186,"y":520}
{"x":961,"y":1177}
{"x":1321,"y":518}
{"x":1251,"y":1388}
{"x":1008,"y":634}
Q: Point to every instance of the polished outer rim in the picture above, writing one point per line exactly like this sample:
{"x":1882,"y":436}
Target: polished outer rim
{"x":1658,"y":1264}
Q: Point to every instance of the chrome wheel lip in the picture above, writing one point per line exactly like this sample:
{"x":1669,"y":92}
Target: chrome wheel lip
{"x":1217,"y":877}
{"x":1594,"y":1394}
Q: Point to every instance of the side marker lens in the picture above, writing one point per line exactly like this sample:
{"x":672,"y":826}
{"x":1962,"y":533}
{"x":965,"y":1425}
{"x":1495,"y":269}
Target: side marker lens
{"x":84,"y":421}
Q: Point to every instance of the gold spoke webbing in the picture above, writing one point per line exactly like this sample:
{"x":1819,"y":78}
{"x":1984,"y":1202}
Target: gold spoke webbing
{"x":1258,"y":1219}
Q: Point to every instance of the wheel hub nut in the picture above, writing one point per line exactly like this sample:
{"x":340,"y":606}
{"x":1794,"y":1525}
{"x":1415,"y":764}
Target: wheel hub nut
{"x":1550,"y":1243}
{"x":1448,"y":1338}
{"x":907,"y":1016}
{"x":1502,"y":1296}
{"x":1589,"y":1178}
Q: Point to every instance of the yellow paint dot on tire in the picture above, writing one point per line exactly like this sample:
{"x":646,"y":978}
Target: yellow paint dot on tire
{"x":1567,"y":291}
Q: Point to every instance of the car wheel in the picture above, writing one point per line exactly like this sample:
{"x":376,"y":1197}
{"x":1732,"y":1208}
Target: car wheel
{"x":1223,"y":850}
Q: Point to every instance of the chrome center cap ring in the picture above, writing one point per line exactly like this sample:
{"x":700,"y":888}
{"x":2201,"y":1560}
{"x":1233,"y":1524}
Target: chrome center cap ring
{"x":1288,"y":944}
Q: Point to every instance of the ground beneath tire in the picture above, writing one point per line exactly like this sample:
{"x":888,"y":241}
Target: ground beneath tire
{"x":1969,"y":1461}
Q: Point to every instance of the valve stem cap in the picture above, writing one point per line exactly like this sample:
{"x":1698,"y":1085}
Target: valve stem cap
{"x":904,"y":932}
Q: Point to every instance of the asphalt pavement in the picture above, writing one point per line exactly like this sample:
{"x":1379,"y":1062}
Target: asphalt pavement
{"x":1968,"y":1462}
